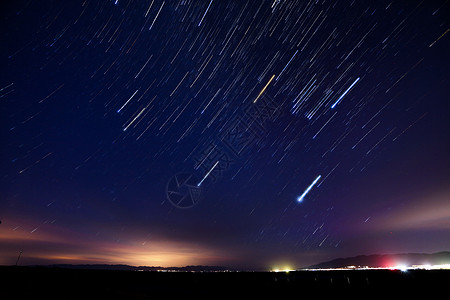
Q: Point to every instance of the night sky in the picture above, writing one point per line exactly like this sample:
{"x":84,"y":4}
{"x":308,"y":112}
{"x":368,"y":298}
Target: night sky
{"x":249,"y":134}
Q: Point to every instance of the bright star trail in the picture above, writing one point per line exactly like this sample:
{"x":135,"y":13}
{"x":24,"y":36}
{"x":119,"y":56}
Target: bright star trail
{"x":264,"y":88}
{"x":345,"y":93}
{"x":300,"y":199}
{"x":188,"y":132}
{"x":200,"y":23}
{"x":207,"y":174}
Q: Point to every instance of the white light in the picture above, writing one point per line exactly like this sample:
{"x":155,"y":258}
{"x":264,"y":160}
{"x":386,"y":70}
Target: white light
{"x":402,"y":268}
{"x":300,"y":199}
{"x":342,"y":96}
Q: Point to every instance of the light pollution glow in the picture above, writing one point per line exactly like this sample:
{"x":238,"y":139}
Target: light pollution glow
{"x":61,"y":246}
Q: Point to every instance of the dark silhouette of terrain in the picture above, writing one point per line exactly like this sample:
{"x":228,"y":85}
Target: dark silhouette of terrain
{"x":19,"y":282}
{"x":203,"y":282}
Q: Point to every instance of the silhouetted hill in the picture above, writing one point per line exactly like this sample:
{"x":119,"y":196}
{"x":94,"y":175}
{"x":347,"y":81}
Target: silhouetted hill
{"x":387,"y":260}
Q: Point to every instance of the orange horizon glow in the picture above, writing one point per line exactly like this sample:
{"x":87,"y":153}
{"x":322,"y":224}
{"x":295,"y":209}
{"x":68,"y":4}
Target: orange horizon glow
{"x":56,"y":245}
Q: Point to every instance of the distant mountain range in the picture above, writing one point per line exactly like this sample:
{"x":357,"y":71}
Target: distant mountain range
{"x":141,"y":268}
{"x":376,"y":260}
{"x":387,"y":260}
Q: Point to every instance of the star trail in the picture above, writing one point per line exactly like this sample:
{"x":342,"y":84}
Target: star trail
{"x":193,"y":132}
{"x":300,"y":199}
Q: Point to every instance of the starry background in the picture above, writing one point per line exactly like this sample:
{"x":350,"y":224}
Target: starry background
{"x":104,"y":103}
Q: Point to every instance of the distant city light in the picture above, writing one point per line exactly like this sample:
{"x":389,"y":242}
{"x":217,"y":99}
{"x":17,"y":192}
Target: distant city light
{"x":285,"y":269}
{"x":403,"y":268}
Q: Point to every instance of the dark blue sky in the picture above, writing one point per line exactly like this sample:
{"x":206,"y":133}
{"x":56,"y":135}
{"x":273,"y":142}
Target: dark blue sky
{"x":183,"y":132}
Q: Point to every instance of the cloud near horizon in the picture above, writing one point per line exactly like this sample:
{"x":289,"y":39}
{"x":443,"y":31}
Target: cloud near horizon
{"x":425,"y":213}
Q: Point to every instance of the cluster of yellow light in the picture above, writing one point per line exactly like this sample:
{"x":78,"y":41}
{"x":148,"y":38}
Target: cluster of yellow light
{"x":285,"y":269}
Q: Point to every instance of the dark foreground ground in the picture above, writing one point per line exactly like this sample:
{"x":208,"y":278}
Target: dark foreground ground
{"x":56,"y":283}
